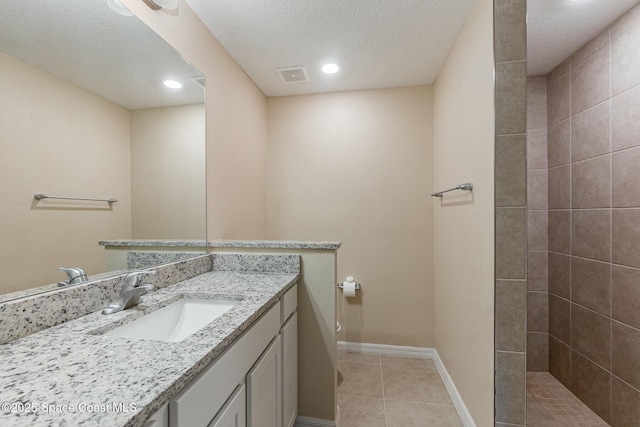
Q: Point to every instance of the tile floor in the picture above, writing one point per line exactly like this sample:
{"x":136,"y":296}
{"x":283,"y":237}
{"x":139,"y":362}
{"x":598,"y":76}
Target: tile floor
{"x":550,"y":404}
{"x":385,"y":391}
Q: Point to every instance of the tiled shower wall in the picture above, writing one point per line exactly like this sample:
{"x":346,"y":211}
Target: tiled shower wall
{"x":594,"y":222}
{"x":537,"y":218}
{"x":510,"y":50}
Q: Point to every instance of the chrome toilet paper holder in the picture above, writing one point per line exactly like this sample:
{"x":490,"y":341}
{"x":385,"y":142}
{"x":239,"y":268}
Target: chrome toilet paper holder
{"x":341,"y":285}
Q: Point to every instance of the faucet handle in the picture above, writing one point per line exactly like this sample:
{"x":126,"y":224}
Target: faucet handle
{"x":131,"y":279}
{"x":74,"y":275}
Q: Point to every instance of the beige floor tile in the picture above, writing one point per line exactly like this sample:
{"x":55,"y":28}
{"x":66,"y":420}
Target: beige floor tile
{"x":359,"y":379}
{"x":408,"y":361}
{"x":414,"y":384}
{"x":358,"y":357}
{"x":357,"y":411}
{"x":413,"y":414}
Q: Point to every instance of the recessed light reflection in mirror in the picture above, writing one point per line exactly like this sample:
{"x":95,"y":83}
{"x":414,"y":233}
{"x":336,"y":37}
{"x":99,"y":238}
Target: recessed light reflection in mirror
{"x":173,"y":84}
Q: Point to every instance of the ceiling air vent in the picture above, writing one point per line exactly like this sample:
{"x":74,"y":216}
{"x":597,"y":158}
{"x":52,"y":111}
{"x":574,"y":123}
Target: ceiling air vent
{"x":293,"y":74}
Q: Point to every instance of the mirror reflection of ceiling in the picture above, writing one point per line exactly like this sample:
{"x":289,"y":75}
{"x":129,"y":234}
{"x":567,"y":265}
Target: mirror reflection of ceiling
{"x":130,"y":67}
{"x":557,"y":28}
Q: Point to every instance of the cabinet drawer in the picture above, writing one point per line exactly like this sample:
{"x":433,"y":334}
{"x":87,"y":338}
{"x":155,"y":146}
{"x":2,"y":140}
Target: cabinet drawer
{"x":289,"y":303}
{"x":201,"y":400}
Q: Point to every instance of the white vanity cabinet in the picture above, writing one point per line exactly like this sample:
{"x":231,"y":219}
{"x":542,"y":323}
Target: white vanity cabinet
{"x":234,"y":413}
{"x":264,"y":389}
{"x":289,"y":338}
{"x":253,"y":383}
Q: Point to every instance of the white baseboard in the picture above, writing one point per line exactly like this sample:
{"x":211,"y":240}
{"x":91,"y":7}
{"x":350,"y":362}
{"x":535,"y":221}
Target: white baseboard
{"x":421,"y":353}
{"x":313,"y":422}
{"x":465,"y":416}
{"x":389,"y":350}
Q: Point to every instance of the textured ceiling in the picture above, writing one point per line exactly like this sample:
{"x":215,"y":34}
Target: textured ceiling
{"x":87,"y":44}
{"x":557,"y":28}
{"x":379,"y":43}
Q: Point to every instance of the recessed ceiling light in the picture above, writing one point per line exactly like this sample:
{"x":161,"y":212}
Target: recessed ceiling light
{"x":330,"y":68}
{"x":172,"y":84}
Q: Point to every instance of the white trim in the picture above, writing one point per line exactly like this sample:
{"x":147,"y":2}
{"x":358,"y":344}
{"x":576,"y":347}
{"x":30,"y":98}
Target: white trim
{"x":417,"y":352}
{"x":465,"y":416}
{"x":388,"y":350}
{"x":313,"y":422}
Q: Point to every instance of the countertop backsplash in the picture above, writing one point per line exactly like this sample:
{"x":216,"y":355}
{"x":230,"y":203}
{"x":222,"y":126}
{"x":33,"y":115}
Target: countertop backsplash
{"x":25,"y":316}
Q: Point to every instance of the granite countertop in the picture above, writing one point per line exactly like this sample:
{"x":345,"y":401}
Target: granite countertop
{"x":275,"y":244}
{"x":262,"y":244}
{"x":72,"y":364}
{"x":154,"y":243}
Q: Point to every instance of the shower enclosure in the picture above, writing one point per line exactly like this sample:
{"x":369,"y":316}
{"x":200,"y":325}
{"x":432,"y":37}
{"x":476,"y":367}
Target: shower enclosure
{"x":583,"y":204}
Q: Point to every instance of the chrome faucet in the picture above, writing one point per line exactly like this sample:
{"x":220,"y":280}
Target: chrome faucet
{"x":130,"y":292}
{"x":74,"y":275}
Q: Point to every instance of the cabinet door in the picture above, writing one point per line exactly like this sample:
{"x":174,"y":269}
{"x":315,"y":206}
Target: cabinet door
{"x":264,"y":392}
{"x":289,"y":335}
{"x":160,"y":418}
{"x":234,"y":412}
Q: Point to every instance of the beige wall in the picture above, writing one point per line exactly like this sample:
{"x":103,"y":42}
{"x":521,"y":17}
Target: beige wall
{"x":464,"y":224}
{"x":167,"y":171}
{"x":57,"y":139}
{"x":356,"y":167}
{"x":236,"y":131}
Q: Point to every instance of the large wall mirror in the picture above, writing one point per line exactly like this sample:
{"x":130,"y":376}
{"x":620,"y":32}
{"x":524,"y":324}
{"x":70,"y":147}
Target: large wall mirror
{"x":84,"y":113}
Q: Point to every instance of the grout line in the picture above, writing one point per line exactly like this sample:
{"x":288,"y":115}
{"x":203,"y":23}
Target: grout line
{"x":610,"y":225}
{"x":620,"y":150}
{"x":510,"y":352}
{"x":512,"y":62}
{"x":359,"y":395}
{"x":422,"y":403}
{"x":590,"y":56}
{"x":354,"y":361}
{"x":624,"y":324}
{"x":599,"y":156}
{"x":511,"y":134}
{"x":570,"y":210}
{"x":626,"y":383}
{"x":384,"y":400}
{"x":624,"y":91}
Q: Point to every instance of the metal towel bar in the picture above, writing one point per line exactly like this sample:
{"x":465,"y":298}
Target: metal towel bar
{"x":467,"y":186}
{"x":40,"y":196}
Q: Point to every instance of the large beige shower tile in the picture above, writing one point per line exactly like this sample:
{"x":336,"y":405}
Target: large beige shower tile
{"x":625,"y":61}
{"x":590,"y":82}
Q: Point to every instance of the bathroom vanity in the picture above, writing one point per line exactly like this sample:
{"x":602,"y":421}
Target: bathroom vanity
{"x":239,"y":369}
{"x":253,"y":383}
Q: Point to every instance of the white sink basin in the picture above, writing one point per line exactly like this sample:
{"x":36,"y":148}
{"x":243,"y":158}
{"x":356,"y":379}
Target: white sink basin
{"x":174,"y":322}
